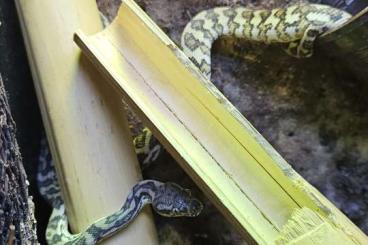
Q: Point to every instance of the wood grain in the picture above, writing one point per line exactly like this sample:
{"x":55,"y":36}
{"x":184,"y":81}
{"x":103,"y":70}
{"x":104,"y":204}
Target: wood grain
{"x":85,"y":121}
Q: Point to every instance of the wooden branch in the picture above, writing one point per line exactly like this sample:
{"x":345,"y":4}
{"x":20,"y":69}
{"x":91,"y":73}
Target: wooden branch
{"x":349,"y":44}
{"x":233,"y":164}
{"x":352,"y":6}
{"x":17,"y":223}
{"x":85,"y":121}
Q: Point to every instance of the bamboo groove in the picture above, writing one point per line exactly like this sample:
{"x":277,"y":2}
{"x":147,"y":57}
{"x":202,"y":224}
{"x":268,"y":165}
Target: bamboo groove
{"x":85,"y":122}
{"x":234,"y":165}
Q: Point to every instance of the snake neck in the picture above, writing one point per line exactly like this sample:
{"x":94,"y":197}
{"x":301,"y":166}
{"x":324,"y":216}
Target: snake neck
{"x":142,"y":193}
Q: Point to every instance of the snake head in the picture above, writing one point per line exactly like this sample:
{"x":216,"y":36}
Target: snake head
{"x":174,"y":201}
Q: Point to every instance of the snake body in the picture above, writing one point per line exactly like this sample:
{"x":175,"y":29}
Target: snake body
{"x":297,"y":25}
{"x":167,"y":199}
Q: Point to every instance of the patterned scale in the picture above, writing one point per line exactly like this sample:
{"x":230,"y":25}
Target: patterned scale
{"x":296,"y":25}
{"x":167,"y":199}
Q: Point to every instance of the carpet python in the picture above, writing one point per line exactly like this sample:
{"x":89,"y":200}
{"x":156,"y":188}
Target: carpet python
{"x":297,"y":26}
{"x":167,"y":199}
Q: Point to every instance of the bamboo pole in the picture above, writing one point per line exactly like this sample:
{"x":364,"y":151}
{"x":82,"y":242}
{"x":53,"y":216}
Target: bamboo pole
{"x":254,"y":187}
{"x":85,"y":121}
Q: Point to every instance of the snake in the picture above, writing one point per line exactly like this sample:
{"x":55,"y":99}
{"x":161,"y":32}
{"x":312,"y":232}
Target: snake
{"x":167,"y":199}
{"x":296,"y":26}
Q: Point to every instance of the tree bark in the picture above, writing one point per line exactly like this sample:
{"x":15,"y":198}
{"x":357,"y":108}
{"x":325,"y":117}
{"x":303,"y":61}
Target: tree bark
{"x":349,"y":44}
{"x":17,"y":222}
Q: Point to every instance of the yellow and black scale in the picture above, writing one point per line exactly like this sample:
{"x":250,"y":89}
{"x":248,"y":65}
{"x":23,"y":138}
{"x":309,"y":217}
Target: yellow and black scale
{"x":297,"y":25}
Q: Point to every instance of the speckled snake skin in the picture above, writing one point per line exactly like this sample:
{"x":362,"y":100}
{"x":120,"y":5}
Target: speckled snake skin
{"x":297,"y":25}
{"x":167,"y":199}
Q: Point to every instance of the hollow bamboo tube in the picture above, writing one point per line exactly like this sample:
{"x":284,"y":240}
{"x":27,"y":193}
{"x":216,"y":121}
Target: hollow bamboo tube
{"x":84,"y":118}
{"x":249,"y":182}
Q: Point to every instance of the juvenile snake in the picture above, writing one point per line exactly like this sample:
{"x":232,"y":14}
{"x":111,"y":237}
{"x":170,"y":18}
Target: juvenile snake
{"x":297,"y":26}
{"x":167,"y":199}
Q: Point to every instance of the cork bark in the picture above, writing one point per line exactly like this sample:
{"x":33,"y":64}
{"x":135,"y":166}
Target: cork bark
{"x":17,"y":223}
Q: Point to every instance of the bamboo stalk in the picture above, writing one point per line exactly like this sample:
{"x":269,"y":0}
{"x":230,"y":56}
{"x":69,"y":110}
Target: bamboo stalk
{"x":233,"y":164}
{"x":85,"y":121}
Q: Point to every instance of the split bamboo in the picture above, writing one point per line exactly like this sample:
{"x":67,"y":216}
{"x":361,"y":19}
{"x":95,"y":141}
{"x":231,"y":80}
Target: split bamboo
{"x":85,"y":122}
{"x":254,"y":187}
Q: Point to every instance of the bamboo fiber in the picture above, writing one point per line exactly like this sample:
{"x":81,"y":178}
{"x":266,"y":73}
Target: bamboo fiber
{"x":85,"y":121}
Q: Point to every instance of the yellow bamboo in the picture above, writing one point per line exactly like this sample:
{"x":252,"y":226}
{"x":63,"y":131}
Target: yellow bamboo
{"x":85,"y":122}
{"x":234,"y":165}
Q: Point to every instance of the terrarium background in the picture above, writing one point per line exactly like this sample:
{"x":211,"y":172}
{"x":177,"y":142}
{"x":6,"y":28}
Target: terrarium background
{"x":313,"y":111}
